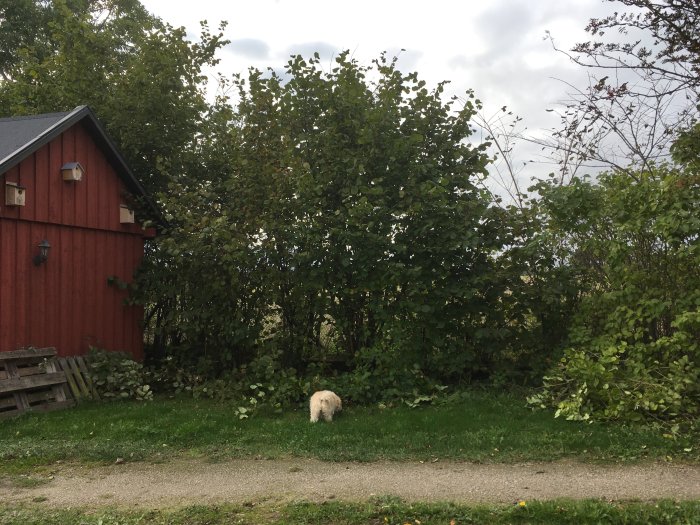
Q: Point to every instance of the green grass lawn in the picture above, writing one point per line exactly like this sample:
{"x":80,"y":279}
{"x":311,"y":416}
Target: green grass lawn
{"x":375,"y":512}
{"x":482,"y":427}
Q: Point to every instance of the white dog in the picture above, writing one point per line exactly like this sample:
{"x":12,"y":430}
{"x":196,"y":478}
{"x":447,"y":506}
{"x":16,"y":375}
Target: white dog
{"x":324,"y":403}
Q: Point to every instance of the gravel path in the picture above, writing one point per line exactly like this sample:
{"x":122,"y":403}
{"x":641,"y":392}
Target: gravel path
{"x":183,"y":482}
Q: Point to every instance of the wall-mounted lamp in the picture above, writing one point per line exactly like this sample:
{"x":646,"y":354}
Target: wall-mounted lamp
{"x":43,"y":253}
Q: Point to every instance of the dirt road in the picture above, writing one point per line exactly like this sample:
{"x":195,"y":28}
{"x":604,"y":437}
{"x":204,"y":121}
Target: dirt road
{"x":183,"y":482}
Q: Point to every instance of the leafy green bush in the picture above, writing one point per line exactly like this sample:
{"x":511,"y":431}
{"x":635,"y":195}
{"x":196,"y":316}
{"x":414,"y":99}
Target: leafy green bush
{"x":383,"y":374}
{"x":612,"y":379}
{"x":635,"y":341}
{"x":359,"y":214}
{"x":117,"y":376}
{"x":171,"y":376}
{"x":379,"y":375}
{"x":264,"y":383}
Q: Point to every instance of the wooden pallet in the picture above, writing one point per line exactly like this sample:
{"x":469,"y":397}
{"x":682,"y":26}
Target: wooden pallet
{"x":78,"y":377}
{"x":29,"y":381}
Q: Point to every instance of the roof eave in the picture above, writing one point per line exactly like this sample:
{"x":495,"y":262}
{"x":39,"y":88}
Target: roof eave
{"x":78,"y":114}
{"x":43,"y":138}
{"x":82,"y":113}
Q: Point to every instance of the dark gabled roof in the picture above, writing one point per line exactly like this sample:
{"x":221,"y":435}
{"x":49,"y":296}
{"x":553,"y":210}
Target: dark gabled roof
{"x":16,"y":132}
{"x":22,"y":136}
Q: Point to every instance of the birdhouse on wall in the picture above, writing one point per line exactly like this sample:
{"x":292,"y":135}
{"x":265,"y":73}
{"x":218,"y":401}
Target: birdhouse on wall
{"x":14,"y":194}
{"x":72,"y":171}
{"x":126,"y":216}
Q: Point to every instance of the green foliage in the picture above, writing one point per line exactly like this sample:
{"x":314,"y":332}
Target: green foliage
{"x":173,"y":377}
{"x":341,"y":213}
{"x":529,"y":319}
{"x":263,"y":383}
{"x":327,"y":213}
{"x":23,"y":22}
{"x":686,"y":151}
{"x":117,"y":376}
{"x":635,"y":341}
{"x":384,"y":374}
{"x":379,"y":375}
{"x":329,"y":229}
{"x":142,"y":77}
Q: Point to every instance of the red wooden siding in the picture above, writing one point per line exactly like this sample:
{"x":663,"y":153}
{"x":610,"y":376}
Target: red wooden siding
{"x":67,"y":301}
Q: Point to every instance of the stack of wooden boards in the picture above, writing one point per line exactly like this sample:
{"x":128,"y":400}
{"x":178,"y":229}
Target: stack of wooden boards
{"x":35,"y":379}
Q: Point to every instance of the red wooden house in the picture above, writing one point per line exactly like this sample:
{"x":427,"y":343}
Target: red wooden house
{"x":66,"y":232}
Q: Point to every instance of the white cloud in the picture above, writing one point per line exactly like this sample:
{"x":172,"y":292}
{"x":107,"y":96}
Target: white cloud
{"x":325,"y":51}
{"x":495,"y":47}
{"x":250,"y":48}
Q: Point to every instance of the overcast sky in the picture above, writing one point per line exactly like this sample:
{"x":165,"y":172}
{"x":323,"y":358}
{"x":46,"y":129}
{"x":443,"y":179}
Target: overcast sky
{"x":496,"y":47}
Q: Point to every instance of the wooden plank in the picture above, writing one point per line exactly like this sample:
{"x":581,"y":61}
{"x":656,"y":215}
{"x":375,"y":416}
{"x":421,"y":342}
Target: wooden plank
{"x":41,"y":188}
{"x":20,"y":398}
{"x":8,"y":284}
{"x":65,"y":291}
{"x":27,"y":353}
{"x":26,"y":364}
{"x":6,"y":402}
{"x":27,"y":385}
{"x":105,"y":313}
{"x":24,"y":383}
{"x":68,"y":194}
{"x":21,"y":401}
{"x":82,"y":141}
{"x":79,"y":377}
{"x":3,"y":375}
{"x":63,"y":364}
{"x":49,"y":407}
{"x":54,"y":181}
{"x":25,"y":276}
{"x":11,"y":369}
{"x":10,"y":413}
{"x":91,"y":182}
{"x":76,"y":299}
{"x":31,"y":370}
{"x":3,"y":270}
{"x":36,"y":397}
{"x":80,"y":360}
{"x":50,"y":328}
{"x":59,"y":391}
